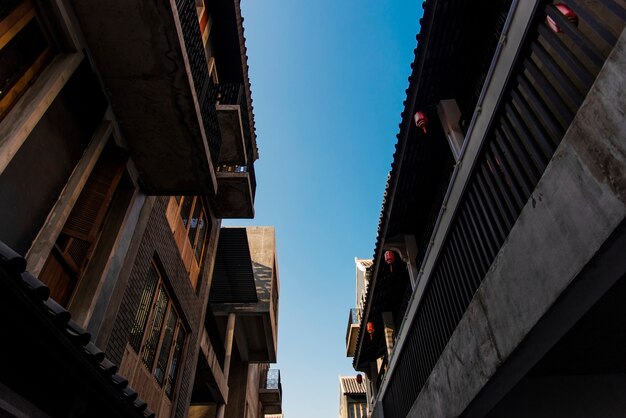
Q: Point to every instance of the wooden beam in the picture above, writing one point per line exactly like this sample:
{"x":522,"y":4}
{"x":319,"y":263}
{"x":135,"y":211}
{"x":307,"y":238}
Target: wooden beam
{"x":30,"y":108}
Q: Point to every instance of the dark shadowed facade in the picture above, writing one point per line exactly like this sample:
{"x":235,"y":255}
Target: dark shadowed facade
{"x":126,"y":136}
{"x":499,"y":257}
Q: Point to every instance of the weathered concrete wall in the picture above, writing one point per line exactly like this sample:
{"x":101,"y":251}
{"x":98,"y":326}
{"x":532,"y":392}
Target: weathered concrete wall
{"x":576,"y":206}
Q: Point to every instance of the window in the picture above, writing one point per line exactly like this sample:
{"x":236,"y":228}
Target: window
{"x":158,"y":335}
{"x":191,"y":225}
{"x":194,"y":218}
{"x":24,"y":50}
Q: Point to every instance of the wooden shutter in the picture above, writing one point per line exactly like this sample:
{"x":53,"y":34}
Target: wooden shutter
{"x":75,"y":245}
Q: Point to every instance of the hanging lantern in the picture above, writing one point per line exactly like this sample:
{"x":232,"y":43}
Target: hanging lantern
{"x":359,"y":379}
{"x":421,"y":121}
{"x":390,"y":258}
{"x":370,"y":329}
{"x":565,"y":11}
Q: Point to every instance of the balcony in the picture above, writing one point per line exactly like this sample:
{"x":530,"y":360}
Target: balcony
{"x":490,"y":212}
{"x":354,"y":321}
{"x":271,"y":391}
{"x":235,"y":173}
{"x":245,"y":282}
{"x":152,"y":62}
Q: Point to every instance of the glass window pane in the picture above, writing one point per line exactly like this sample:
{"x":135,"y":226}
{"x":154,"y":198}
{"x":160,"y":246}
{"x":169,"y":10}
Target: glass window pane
{"x":193,"y":224}
{"x":141,"y":317}
{"x":176,"y":358}
{"x":185,"y":209}
{"x":166,"y":346}
{"x":202,"y":227}
{"x":150,"y":347}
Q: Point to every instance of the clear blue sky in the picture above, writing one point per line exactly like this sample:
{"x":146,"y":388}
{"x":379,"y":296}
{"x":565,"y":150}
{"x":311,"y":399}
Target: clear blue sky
{"x":328,"y":80}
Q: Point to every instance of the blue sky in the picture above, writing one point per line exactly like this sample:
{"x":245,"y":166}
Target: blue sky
{"x":328,"y":80}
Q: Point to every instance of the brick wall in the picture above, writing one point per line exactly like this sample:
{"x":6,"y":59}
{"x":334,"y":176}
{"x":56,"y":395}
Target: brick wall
{"x":158,"y":243}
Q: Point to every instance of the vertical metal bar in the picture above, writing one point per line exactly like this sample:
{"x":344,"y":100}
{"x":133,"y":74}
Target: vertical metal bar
{"x":579,"y":39}
{"x":520,"y":153}
{"x":510,"y":178}
{"x":541,"y":111}
{"x":479,"y":259}
{"x":614,"y":7}
{"x":551,"y":95}
{"x":539,"y":160}
{"x":537,"y":133}
{"x":478,"y":223}
{"x":460,"y":276}
{"x":492,"y":215}
{"x":593,"y":22}
{"x":471,"y":275}
{"x":504,"y":190}
{"x":438,"y":296}
{"x":454,"y":296}
{"x":566,"y":55}
{"x":559,"y":75}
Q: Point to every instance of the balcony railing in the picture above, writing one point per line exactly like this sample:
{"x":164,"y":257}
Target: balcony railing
{"x":551,"y":78}
{"x":234,"y":94}
{"x":200,"y":74}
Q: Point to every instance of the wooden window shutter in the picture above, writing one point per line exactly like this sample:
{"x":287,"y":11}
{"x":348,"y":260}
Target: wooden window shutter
{"x":75,"y":244}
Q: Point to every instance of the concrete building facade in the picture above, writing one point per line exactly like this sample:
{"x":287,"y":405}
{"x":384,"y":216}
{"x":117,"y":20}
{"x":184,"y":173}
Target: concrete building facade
{"x":126,"y":136}
{"x":499,"y":258}
{"x":239,"y":341}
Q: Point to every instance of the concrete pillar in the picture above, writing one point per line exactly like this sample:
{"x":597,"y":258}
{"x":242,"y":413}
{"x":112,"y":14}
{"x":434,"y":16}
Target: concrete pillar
{"x":411,"y":254}
{"x":228,"y":347}
{"x":389,"y":330}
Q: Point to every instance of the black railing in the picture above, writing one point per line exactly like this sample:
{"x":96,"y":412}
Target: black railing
{"x":235,"y":94}
{"x":200,"y":74}
{"x":550,"y":80}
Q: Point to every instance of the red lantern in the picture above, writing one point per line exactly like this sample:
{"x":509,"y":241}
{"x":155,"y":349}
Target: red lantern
{"x":421,"y":121}
{"x":565,"y":11}
{"x":390,"y":258}
{"x":370,"y":329}
{"x":359,"y":379}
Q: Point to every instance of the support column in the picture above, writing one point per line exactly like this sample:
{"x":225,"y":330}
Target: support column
{"x":228,"y":347}
{"x":389,"y":330}
{"x":411,"y":254}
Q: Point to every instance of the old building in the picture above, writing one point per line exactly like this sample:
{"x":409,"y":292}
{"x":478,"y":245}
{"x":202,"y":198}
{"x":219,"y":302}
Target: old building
{"x":352,"y":399}
{"x":126,"y":136}
{"x":240,"y":335}
{"x":498,"y":266}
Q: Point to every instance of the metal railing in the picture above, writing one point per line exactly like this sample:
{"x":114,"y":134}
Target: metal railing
{"x":200,"y":74}
{"x":235,"y":94}
{"x":551,"y":78}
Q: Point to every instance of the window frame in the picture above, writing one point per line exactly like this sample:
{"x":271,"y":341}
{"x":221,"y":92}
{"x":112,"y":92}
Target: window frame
{"x":178,"y":328}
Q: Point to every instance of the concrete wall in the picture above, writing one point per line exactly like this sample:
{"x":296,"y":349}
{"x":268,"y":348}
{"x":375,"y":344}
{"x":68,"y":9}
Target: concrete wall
{"x":577,"y":205}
